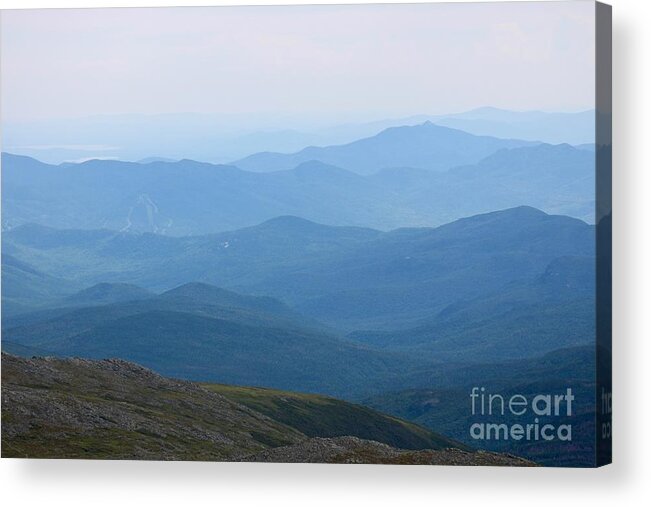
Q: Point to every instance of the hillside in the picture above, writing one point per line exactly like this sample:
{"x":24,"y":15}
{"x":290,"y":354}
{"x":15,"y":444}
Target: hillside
{"x":107,"y":293}
{"x":113,"y":409}
{"x":441,"y":400}
{"x":415,"y":273}
{"x":194,"y":297}
{"x":24,"y":288}
{"x":119,"y":410}
{"x":554,"y":310}
{"x":349,"y":277}
{"x":238,"y":340}
{"x":558,"y":179}
{"x":321,"y":416}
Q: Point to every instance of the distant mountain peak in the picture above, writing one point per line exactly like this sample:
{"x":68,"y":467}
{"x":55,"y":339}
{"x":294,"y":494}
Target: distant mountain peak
{"x":562,"y":147}
{"x":488,"y":109}
{"x":202,"y":290}
{"x":517,"y":211}
{"x":521,"y":210}
{"x":14,"y":157}
{"x":509,"y":215}
{"x":426,"y":126}
{"x":289,"y":220}
{"x":204,"y":293}
{"x":150,"y":160}
{"x":426,"y":145}
{"x":194,"y":288}
{"x":519,"y":218}
{"x":106,"y":292}
{"x":105,"y":287}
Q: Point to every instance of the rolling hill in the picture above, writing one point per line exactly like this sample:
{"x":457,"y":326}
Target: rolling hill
{"x":204,"y":333}
{"x":555,"y":310}
{"x":185,"y":197}
{"x":107,"y":293}
{"x":559,"y":179}
{"x":352,"y":278}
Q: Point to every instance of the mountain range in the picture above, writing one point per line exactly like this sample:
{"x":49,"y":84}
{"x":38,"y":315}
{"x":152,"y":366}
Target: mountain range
{"x":192,"y":198}
{"x":222,"y":138}
{"x":426,"y":146}
{"x":395,"y":269}
{"x":555,"y":128}
{"x":403,"y":321}
{"x":490,"y":286}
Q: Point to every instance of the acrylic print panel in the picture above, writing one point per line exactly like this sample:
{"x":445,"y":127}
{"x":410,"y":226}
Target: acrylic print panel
{"x":340,"y":234}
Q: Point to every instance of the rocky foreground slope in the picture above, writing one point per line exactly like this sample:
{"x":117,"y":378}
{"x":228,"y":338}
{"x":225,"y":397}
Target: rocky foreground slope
{"x":357,"y":450}
{"x":113,"y":409}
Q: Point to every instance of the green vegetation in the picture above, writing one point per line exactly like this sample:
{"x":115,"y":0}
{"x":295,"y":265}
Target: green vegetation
{"x":522,"y":320}
{"x":321,"y":416}
{"x":356,"y":279}
{"x":112,"y":409}
{"x":432,"y":311}
{"x":212,"y":343}
{"x":118,"y":410}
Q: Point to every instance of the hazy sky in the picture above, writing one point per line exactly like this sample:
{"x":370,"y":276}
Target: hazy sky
{"x":356,"y":61}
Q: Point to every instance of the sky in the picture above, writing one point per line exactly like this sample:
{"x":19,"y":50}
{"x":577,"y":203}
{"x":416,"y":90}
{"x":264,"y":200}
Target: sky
{"x":355,"y":62}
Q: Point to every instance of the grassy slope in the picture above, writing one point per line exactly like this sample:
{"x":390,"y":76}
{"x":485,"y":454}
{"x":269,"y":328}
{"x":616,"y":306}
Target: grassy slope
{"x":54,"y":408}
{"x":322,"y":416}
{"x":112,"y":409}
